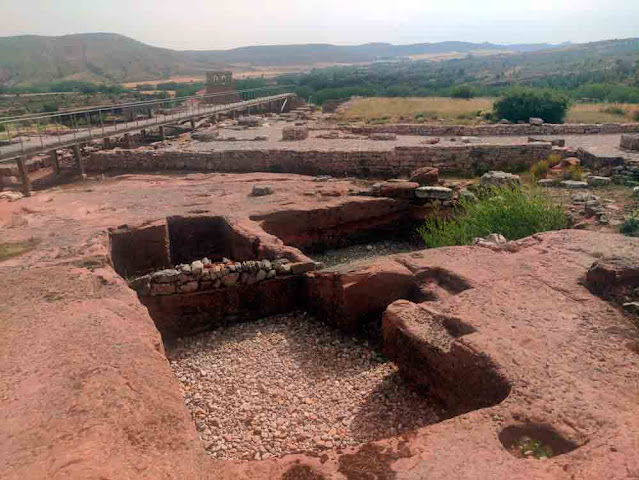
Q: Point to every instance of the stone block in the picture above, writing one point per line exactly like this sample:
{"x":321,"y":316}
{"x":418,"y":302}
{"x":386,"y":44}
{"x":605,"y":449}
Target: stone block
{"x":404,"y":190}
{"x":574,"y":184}
{"x":294,"y":133}
{"x":261,"y":190}
{"x":596,"y":181}
{"x":169,"y":275}
{"x":500,"y":179}
{"x":425,"y":176}
{"x":435,"y":193}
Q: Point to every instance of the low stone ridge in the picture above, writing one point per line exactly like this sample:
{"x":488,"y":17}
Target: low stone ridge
{"x":501,"y":129}
{"x":384,"y":137}
{"x":204,"y":275}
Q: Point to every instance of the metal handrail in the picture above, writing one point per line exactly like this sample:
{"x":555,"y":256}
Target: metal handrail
{"x":20,"y":127}
{"x":36,"y":116}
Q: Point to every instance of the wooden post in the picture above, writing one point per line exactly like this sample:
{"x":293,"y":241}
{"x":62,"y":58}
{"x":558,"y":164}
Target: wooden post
{"x":162,"y":134}
{"x":143,"y":134}
{"x":107,"y":143}
{"x":127,"y":140}
{"x":192,"y":124}
{"x":55,"y":163}
{"x":77,"y":154}
{"x":24,"y":177}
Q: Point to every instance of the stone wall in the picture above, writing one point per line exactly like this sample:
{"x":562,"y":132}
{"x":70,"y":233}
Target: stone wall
{"x":497,"y":129}
{"x":475,"y":159}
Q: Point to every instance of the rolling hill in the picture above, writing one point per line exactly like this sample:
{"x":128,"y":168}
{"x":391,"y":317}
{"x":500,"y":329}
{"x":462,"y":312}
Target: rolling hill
{"x":112,"y":58}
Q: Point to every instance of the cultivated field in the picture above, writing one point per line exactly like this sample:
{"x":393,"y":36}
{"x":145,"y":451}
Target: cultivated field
{"x":453,"y":110}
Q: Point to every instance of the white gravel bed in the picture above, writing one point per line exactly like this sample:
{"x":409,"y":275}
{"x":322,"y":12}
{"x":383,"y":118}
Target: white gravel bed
{"x":288,"y":384}
{"x":352,"y":253}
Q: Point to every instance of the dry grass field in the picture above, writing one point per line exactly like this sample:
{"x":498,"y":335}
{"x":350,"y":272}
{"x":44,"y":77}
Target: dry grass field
{"x":428,"y":109}
{"x":459,"y":111}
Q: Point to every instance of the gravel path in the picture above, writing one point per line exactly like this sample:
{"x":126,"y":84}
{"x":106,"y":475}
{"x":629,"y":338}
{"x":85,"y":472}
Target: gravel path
{"x":290,"y":384}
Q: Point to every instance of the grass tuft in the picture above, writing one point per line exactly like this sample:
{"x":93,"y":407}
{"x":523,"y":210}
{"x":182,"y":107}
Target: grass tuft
{"x":513,"y":213}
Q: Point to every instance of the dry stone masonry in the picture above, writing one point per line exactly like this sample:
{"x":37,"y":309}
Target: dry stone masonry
{"x":478,"y":158}
{"x":202,"y":275}
{"x":294,"y":133}
{"x":495,"y":129}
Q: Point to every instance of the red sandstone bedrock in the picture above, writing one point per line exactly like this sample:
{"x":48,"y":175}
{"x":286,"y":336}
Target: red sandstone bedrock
{"x":86,"y":392}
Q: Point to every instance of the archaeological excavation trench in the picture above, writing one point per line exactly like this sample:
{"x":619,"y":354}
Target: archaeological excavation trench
{"x":277,"y":355}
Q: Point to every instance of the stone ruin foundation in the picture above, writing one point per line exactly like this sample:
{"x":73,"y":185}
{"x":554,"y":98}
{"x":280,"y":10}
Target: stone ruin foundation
{"x":276,"y":356}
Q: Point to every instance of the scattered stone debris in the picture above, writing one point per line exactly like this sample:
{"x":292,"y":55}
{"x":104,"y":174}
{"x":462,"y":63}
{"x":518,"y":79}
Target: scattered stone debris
{"x":536,"y":121}
{"x":321,"y":389}
{"x":261,"y":190}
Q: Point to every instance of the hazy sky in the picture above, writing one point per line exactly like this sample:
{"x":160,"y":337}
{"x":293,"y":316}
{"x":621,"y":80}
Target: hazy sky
{"x":213,"y":24}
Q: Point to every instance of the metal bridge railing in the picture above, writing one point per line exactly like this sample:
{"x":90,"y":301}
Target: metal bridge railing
{"x":64,"y":127}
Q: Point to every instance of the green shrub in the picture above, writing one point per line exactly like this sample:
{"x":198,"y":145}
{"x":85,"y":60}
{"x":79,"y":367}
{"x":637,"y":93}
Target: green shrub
{"x":463,"y":91}
{"x":553,"y":159}
{"x":523,"y":104}
{"x":630,"y":226}
{"x":512,"y":213}
{"x":573,"y":172}
{"x":635,"y":116}
{"x":540,"y":169}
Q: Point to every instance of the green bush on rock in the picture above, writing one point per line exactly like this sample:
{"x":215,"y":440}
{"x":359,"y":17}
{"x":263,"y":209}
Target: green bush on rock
{"x":512,"y":213}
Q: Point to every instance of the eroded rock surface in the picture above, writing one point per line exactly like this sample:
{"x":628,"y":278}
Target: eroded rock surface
{"x":86,"y":390}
